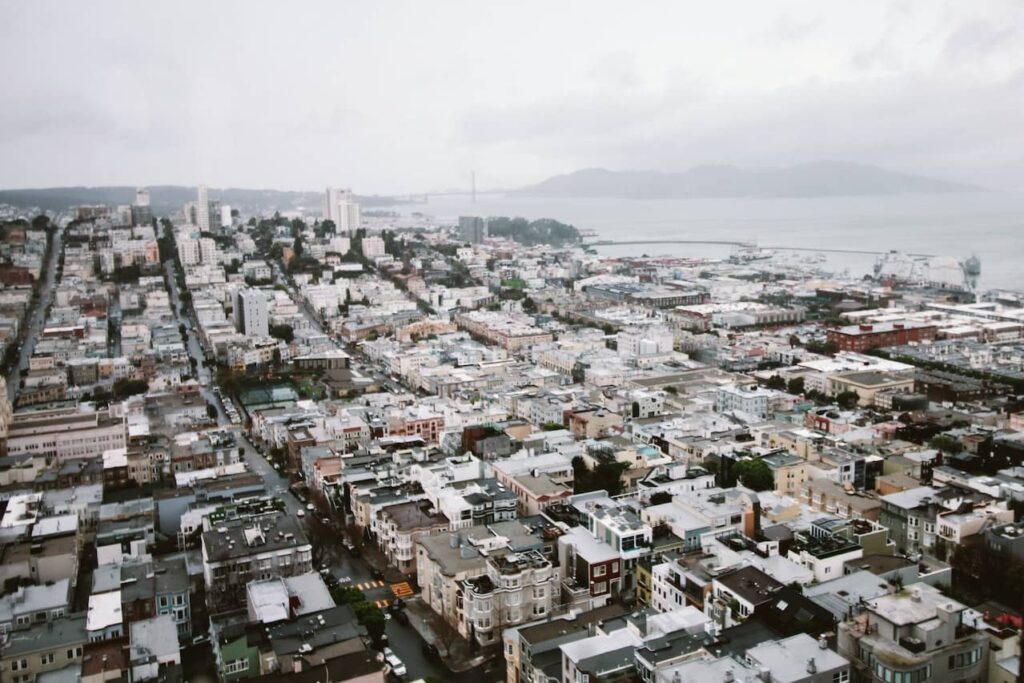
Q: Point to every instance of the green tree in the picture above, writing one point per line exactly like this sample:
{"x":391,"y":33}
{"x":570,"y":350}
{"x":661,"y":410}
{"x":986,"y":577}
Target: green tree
{"x":283,"y":332}
{"x":123,"y":388}
{"x":795,"y":385}
{"x":607,"y":476}
{"x":776,"y":382}
{"x":848,"y":400}
{"x":826,"y":348}
{"x":946,"y":444}
{"x":755,"y":474}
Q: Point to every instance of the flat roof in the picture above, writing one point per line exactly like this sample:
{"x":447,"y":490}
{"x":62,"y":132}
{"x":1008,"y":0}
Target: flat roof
{"x":104,"y":610}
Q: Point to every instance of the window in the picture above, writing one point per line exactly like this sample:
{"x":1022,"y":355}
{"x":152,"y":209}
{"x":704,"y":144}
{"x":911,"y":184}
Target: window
{"x":46,"y":659}
{"x":600,"y":570}
{"x":841,"y":676}
{"x":600,"y":587}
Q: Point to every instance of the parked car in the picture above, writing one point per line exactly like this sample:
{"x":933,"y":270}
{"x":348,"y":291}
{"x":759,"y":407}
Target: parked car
{"x":397,"y":667}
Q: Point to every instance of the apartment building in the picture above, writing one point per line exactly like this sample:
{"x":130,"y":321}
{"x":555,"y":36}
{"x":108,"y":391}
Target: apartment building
{"x":242,"y":550}
{"x":46,"y":647}
{"x":516,"y":587}
{"x":400,"y":525}
{"x":916,"y":634}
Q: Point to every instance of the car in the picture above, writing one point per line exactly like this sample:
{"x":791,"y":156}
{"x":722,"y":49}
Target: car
{"x":310,"y":507}
{"x":397,"y":667}
{"x":431,"y":651}
{"x":348,"y":545}
{"x":300,"y":513}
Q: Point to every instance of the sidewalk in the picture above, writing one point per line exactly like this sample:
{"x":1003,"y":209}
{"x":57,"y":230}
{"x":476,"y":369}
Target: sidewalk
{"x":460,"y":656}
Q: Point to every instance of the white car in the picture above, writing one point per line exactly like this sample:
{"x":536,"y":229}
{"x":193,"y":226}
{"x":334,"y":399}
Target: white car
{"x":397,"y":667}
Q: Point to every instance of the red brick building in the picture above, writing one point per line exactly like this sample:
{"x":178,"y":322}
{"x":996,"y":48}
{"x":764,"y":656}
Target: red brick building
{"x":866,"y":337}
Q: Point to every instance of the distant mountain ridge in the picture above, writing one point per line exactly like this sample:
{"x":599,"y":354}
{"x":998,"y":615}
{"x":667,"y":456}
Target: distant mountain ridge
{"x":815,"y":179}
{"x":167,"y":198}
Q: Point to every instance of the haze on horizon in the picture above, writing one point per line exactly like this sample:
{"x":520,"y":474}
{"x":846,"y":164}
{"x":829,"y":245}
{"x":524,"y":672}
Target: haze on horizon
{"x":410,"y":96}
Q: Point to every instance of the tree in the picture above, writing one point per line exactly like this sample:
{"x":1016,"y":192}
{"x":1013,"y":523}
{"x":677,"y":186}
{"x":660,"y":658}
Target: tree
{"x":848,"y":400}
{"x":283,"y":332}
{"x":946,"y":444}
{"x":776,"y":382}
{"x":123,"y":388}
{"x":824,"y":348}
{"x":795,"y":385}
{"x":211,"y":411}
{"x":607,"y":476}
{"x":755,"y":474}
{"x":367,"y":613}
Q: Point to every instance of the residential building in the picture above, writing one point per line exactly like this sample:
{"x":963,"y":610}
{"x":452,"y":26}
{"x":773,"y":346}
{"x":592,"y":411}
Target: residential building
{"x":251,"y":313}
{"x":472,"y":229}
{"x":916,"y":634}
{"x":339,"y":206}
{"x":241,"y":550}
{"x":43,"y":648}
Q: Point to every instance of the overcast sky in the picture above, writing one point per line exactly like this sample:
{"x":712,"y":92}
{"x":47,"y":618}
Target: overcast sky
{"x":411,"y":96}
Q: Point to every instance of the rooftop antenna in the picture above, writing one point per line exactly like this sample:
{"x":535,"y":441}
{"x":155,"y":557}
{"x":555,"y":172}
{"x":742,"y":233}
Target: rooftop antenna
{"x":472,"y":184}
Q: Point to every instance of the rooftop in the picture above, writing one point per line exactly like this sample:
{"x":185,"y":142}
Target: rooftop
{"x":789,"y":660}
{"x":104,"y":610}
{"x":242,"y":537}
{"x":50,"y":636}
{"x":914,"y":605}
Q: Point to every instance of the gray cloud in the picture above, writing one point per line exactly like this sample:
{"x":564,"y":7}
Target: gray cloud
{"x":412,"y":96}
{"x":790,"y":29}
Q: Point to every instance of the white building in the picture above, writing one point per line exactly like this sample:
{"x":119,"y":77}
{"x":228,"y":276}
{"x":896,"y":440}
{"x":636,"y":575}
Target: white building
{"x":655,"y":340}
{"x":373,"y":247}
{"x":251,"y":314}
{"x":339,"y":206}
{"x":202,"y":209}
{"x":192,"y":252}
{"x":747,"y":399}
{"x":516,"y":588}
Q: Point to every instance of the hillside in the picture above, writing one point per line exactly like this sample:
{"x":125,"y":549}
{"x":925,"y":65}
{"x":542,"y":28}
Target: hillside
{"x":818,"y":179}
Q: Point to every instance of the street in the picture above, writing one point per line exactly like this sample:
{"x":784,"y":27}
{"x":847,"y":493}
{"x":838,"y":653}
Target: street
{"x":37,"y":316}
{"x":348,"y":567}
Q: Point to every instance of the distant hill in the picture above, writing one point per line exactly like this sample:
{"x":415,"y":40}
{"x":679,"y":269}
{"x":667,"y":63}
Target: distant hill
{"x":168,"y":198}
{"x":817,"y":179}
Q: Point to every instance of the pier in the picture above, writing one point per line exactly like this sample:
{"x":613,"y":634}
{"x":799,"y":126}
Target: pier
{"x":738,"y":243}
